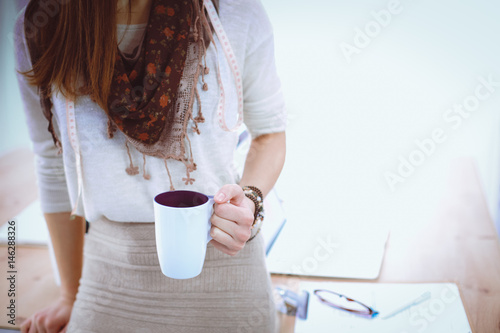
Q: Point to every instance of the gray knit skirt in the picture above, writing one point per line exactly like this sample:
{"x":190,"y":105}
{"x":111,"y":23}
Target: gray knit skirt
{"x":122,"y":288}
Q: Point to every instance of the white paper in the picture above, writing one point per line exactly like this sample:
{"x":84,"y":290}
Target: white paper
{"x":274,"y":219}
{"x":329,"y":249}
{"x":443,"y":312}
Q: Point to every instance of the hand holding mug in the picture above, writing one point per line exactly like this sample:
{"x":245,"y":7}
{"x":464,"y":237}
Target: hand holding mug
{"x":186,"y":220}
{"x":232,"y":219}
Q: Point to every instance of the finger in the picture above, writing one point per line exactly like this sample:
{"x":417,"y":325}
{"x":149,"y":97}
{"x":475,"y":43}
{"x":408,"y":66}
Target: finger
{"x":54,"y":327}
{"x":224,"y":238}
{"x":238,"y":233}
{"x":32,"y":327}
{"x":240,"y":215}
{"x":64,"y":329}
{"x":223,"y":248}
{"x":230,"y":192}
{"x":40,"y":329}
{"x":25,"y":326}
{"x":39,"y":324}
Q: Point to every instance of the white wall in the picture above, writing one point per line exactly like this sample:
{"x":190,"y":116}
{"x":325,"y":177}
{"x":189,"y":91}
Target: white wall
{"x":13,"y":131}
{"x":351,"y":120}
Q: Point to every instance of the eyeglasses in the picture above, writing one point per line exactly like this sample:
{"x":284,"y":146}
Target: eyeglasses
{"x":344,"y":303}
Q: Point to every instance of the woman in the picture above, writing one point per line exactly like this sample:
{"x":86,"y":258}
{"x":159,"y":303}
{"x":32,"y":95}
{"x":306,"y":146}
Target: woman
{"x":148,"y":118}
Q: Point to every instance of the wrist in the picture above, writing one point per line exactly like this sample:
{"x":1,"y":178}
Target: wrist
{"x":68,"y":295}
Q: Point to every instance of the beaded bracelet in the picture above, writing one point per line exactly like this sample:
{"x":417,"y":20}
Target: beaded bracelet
{"x":258,"y":230}
{"x":254,"y":194}
{"x":259,"y":192}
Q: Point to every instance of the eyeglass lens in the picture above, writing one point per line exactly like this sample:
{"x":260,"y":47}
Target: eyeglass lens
{"x":342,"y":302}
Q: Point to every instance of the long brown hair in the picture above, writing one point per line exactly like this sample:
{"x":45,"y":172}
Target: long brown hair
{"x":71,"y":42}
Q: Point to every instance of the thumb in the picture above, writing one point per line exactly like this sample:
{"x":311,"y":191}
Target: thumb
{"x":230,"y":192}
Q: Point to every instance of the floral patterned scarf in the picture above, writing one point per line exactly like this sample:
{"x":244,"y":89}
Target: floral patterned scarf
{"x":142,"y":98}
{"x":151,"y":103}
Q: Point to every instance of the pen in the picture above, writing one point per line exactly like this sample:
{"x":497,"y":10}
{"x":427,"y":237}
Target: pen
{"x":425,"y":296}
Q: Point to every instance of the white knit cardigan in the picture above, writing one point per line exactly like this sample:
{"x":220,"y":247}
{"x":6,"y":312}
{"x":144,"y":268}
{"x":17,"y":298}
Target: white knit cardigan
{"x":108,"y":190}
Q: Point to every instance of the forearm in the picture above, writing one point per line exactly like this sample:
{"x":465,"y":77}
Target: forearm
{"x":67,"y":240}
{"x":264,"y":161}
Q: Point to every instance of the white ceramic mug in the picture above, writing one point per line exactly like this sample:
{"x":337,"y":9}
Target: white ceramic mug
{"x":182,"y":231}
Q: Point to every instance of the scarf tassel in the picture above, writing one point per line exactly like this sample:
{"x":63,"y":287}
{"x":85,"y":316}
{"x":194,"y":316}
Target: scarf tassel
{"x":131,"y":170}
{"x":144,"y":174}
{"x":199,"y":118}
{"x":134,"y":170}
{"x":172,"y":188}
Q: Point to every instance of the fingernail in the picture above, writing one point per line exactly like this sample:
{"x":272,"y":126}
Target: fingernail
{"x":220,"y":196}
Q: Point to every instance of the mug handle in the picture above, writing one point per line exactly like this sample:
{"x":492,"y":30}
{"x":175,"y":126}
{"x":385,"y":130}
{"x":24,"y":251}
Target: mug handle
{"x":211,"y":203}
